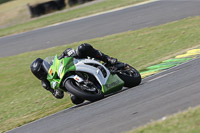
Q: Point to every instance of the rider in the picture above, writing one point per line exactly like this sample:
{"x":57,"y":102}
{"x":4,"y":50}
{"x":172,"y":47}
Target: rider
{"x":83,"y":51}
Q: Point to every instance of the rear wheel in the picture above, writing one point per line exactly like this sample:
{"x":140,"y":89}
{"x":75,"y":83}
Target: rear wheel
{"x":130,"y":76}
{"x":86,"y":91}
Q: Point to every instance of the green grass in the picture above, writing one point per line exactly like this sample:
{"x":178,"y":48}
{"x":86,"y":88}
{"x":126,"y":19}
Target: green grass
{"x":19,"y":15}
{"x":183,"y":122}
{"x":22,"y":99}
{"x":4,"y":1}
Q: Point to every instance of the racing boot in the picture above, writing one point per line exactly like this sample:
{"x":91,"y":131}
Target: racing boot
{"x":111,"y":60}
{"x":106,"y":58}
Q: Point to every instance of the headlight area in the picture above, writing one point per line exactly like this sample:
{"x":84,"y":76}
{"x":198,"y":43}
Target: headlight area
{"x":54,"y":84}
{"x":60,"y":69}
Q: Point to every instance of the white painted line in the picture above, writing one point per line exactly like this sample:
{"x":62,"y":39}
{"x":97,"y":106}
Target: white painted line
{"x":76,"y":19}
{"x":160,"y":76}
{"x":101,"y":13}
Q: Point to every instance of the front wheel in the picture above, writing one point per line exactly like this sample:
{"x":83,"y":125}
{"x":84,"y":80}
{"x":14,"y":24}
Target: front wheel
{"x":84,"y":91}
{"x":130,"y":76}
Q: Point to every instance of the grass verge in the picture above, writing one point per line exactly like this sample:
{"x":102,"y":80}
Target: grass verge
{"x":22,"y":99}
{"x":183,"y":122}
{"x":15,"y":16}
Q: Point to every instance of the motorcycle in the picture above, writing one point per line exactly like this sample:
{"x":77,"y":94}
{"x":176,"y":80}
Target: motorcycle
{"x":89,"y":79}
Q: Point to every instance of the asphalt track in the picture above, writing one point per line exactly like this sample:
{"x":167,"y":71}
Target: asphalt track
{"x":132,"y":18}
{"x":160,"y":95}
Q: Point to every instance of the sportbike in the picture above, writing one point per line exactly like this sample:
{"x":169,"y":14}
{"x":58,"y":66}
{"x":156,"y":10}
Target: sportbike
{"x":89,"y":79}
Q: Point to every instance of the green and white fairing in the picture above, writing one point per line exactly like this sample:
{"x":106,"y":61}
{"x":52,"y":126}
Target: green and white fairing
{"x":59,"y":68}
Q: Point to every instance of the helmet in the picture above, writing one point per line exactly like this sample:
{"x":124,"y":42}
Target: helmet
{"x":37,"y":69}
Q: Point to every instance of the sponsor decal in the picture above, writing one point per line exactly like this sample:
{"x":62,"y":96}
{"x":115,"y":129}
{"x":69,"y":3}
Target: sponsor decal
{"x":112,"y":84}
{"x":51,"y":72}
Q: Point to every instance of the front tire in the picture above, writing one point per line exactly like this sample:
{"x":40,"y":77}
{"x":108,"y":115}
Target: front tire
{"x":130,"y":76}
{"x":72,"y":86}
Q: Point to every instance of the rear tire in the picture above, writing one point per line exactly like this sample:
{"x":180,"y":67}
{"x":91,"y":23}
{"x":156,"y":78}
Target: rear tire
{"x":130,"y":76}
{"x":73,"y":88}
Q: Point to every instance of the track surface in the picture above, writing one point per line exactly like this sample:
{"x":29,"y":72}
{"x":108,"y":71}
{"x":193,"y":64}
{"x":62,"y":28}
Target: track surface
{"x":165,"y":93}
{"x":160,"y":95}
{"x":132,"y":18}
